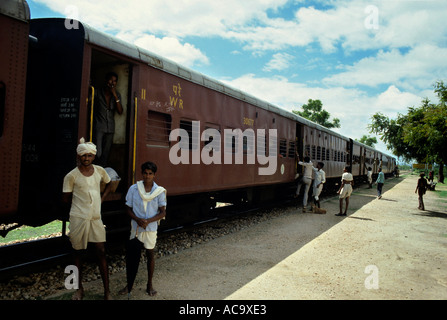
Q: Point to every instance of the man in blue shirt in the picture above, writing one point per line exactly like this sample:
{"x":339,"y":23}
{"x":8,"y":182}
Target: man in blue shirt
{"x":146,"y":206}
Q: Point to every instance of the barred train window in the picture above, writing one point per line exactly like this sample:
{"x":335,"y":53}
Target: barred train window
{"x":292,"y":149}
{"x":158,"y":128}
{"x":187,"y":125}
{"x":283,"y":148}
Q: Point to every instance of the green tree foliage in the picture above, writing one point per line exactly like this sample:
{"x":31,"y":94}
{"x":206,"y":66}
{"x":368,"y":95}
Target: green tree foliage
{"x":369,"y":141}
{"x":314,"y":111}
{"x":421,"y":134}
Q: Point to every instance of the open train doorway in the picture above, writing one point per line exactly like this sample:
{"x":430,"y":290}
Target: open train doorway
{"x":102,"y":64}
{"x":299,"y":146}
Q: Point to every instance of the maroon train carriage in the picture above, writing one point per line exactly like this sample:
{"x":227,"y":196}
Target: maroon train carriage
{"x":14,"y":31}
{"x":211,"y":142}
{"x":66,"y":64}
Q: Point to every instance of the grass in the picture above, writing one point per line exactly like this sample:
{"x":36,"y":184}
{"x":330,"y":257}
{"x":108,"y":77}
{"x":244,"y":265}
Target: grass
{"x":26,"y":232}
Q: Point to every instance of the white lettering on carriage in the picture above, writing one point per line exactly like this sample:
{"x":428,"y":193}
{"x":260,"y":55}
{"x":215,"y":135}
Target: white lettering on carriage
{"x":237,"y":144}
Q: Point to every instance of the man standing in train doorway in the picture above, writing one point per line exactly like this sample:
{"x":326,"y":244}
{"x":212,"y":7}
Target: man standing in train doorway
{"x":107,"y":102}
{"x":81,"y":189}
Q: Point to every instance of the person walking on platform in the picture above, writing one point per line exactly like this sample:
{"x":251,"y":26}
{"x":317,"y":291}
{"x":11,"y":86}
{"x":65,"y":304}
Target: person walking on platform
{"x":380,"y":181}
{"x":420,"y":190}
{"x":306,"y":179}
{"x":369,"y":175}
{"x":347,"y":181}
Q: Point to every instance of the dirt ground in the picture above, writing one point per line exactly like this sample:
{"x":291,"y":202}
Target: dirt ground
{"x":384,"y":249}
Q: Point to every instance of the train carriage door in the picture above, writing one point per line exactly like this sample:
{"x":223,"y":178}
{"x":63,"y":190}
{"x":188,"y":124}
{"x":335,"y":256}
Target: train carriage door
{"x":349,"y":151}
{"x":103,"y":66}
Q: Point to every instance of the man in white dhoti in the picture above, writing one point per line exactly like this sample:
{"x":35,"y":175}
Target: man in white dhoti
{"x":347,"y":181}
{"x":81,"y":189}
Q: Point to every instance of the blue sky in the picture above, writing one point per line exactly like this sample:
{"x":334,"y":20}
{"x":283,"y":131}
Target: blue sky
{"x":357,"y":57}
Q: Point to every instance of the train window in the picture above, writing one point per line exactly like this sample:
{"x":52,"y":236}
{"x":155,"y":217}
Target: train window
{"x":248,"y":142}
{"x":209,"y":137}
{"x":318,"y":153}
{"x":262,"y":150}
{"x":313,"y":152}
{"x":328,"y":154}
{"x":323,"y":154}
{"x":187,"y":125}
{"x":292,"y":149}
{"x":283,"y":148}
{"x":2,"y":106}
{"x":158,"y":128}
{"x":307,"y":151}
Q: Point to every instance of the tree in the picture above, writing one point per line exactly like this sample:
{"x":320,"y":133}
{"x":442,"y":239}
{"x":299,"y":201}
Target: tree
{"x":314,"y":111}
{"x":421,"y":134}
{"x":369,"y":141}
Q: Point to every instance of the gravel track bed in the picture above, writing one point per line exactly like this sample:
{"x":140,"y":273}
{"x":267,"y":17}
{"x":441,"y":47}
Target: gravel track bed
{"x":37,"y":286}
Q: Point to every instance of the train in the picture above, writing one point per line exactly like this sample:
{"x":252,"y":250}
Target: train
{"x":212,"y":143}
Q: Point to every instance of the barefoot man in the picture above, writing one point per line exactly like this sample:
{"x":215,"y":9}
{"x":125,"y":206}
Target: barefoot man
{"x":146,"y":206}
{"x":81,"y":189}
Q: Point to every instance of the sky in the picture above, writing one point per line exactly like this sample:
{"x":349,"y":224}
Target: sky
{"x":357,"y":57}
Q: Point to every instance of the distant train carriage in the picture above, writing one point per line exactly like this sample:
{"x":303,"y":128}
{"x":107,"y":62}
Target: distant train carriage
{"x":322,"y":144}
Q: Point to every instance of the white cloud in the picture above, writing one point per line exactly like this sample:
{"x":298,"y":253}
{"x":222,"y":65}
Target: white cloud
{"x":401,"y":23}
{"x":171,"y":48}
{"x":280,"y":61}
{"x":415,"y":69}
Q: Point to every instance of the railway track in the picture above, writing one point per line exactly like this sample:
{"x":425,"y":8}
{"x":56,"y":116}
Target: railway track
{"x":39,"y":255}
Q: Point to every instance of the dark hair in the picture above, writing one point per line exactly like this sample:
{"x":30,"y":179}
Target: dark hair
{"x":348,"y":169}
{"x":321,"y":164}
{"x":149,"y":166}
{"x":306,"y":159}
{"x":369,"y":168}
{"x":380,"y":169}
{"x":111,"y":74}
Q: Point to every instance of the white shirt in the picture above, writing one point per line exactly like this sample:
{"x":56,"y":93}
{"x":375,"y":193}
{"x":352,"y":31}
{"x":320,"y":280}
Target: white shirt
{"x":134,"y":201}
{"x":320,"y":176}
{"x":347,"y":176}
{"x":307,"y":168}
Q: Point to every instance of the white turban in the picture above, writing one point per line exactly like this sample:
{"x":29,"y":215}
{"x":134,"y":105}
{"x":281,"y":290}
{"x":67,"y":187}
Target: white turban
{"x":85,"y":147}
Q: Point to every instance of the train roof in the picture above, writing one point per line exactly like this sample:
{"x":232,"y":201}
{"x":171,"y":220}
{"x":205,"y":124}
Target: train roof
{"x":17,"y":9}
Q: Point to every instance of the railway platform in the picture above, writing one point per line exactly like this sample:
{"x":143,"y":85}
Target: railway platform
{"x":383,"y":249}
